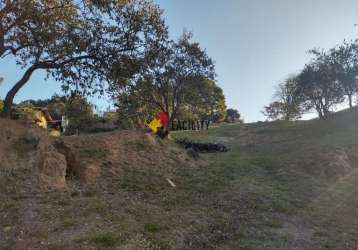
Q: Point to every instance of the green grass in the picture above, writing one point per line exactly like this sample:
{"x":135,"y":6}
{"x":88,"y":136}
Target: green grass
{"x":151,"y":228}
{"x":105,"y":240}
{"x":69,"y":222}
{"x":279,"y":169}
{"x":275,"y":185}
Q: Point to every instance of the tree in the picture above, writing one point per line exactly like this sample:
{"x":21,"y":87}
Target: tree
{"x":274,"y":111}
{"x":78,"y":111}
{"x":133,"y":111}
{"x":170,"y":79}
{"x":232,"y":115}
{"x":346,"y":62}
{"x":203,"y":100}
{"x":82,"y":44}
{"x":1,"y":101}
{"x":318,"y":87}
{"x":287,"y":103}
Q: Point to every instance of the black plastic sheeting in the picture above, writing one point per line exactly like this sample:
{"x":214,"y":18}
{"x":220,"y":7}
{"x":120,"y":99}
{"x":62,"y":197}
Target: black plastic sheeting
{"x":202,"y":147}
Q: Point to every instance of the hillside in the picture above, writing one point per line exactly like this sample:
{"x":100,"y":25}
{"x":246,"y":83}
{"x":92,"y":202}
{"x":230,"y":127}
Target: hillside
{"x":282,"y":185}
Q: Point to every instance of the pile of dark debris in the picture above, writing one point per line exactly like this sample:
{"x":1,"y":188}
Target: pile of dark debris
{"x":194,"y":148}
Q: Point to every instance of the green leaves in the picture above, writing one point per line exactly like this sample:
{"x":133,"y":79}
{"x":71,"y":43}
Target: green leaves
{"x":174,"y":77}
{"x":328,"y":79}
{"x":85,"y":45}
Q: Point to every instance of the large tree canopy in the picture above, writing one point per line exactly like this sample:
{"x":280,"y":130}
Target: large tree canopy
{"x":174,"y":75}
{"x":82,"y":44}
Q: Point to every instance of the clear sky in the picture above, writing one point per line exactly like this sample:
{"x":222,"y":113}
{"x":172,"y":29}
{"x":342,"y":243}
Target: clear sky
{"x":255,"y":43}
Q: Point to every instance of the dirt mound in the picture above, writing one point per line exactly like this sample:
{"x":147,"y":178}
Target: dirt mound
{"x":43,"y":180}
{"x":26,"y":147}
{"x":85,"y":157}
{"x":91,"y":156}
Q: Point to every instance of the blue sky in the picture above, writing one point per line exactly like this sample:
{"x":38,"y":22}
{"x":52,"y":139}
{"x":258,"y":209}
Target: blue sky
{"x":255,"y":44}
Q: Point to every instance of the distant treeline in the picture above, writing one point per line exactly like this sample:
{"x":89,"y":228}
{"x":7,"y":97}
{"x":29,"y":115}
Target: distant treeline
{"x":190,"y":125}
{"x":327,"y":81}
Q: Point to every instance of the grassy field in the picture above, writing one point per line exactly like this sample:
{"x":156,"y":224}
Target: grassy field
{"x":282,"y":185}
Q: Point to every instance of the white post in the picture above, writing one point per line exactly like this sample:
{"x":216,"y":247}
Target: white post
{"x":64,"y":123}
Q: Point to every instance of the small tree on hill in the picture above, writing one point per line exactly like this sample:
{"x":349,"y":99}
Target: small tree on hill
{"x":274,"y":111}
{"x":345,"y":59}
{"x":287,"y":104}
{"x":318,"y":87}
{"x":232,"y":115}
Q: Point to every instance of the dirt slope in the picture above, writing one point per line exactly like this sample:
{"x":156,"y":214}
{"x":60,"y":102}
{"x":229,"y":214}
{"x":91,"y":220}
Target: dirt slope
{"x":282,"y":185}
{"x":38,"y":174}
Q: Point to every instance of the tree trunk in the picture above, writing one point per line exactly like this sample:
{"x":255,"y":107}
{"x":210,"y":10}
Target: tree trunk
{"x":320,"y":115}
{"x":350,"y":101}
{"x":2,"y":40}
{"x":13,"y":91}
{"x":319,"y":111}
{"x":326,"y":111}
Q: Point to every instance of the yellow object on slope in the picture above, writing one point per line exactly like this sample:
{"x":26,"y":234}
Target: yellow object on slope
{"x":154,"y":125}
{"x":1,"y":105}
{"x":40,"y":118}
{"x":55,"y":133}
